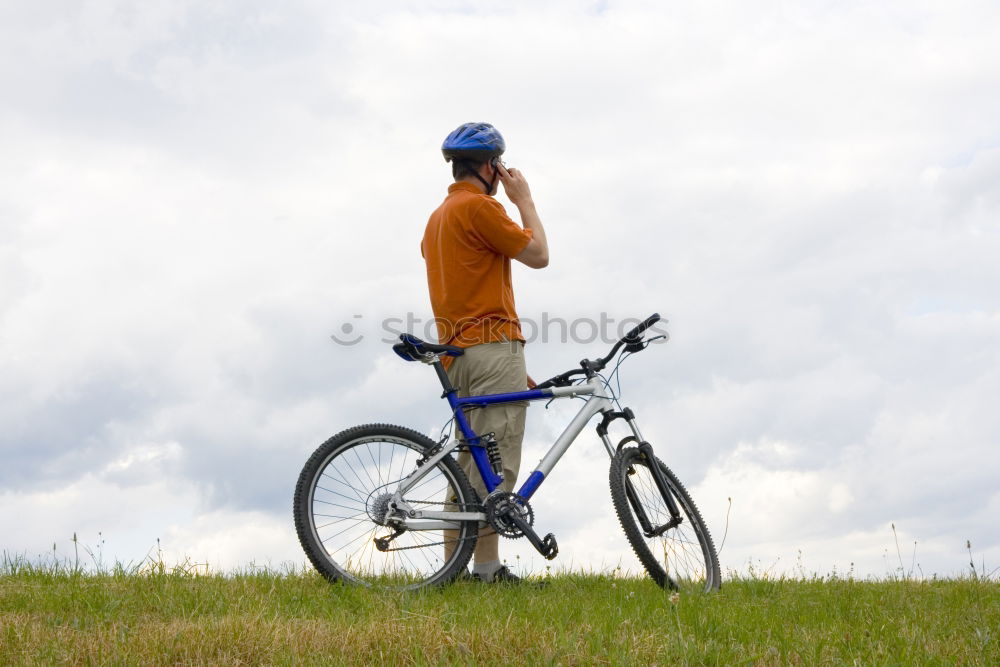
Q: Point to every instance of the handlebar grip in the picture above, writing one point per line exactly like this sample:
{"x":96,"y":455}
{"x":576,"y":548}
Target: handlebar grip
{"x":637,"y":331}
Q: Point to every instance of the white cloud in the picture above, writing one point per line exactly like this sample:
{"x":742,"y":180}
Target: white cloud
{"x":196,"y":197}
{"x":233,"y":540}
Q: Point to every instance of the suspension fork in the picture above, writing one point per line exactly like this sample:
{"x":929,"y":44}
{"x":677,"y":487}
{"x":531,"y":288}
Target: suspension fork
{"x":658,"y":477}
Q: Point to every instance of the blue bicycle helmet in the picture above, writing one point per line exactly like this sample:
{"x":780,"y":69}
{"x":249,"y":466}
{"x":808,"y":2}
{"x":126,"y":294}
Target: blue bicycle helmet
{"x":478,"y":142}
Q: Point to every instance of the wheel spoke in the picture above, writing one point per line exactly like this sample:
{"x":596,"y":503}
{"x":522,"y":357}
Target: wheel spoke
{"x":325,"y":502}
{"x":343,"y":518}
{"x":345,"y":483}
{"x":354,"y":450}
{"x":329,"y":469}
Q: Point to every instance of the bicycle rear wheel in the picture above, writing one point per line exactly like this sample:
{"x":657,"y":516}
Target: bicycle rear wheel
{"x":681,"y":557}
{"x":340,"y":506}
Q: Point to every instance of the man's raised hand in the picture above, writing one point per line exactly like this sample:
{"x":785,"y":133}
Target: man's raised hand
{"x":514,"y":185}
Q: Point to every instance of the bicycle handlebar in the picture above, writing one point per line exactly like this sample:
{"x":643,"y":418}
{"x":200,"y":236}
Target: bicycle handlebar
{"x":642,"y":326}
{"x":632,"y":342}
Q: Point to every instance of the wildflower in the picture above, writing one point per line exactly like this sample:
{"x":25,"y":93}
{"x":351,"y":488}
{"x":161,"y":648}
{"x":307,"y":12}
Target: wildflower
{"x":675,"y":597}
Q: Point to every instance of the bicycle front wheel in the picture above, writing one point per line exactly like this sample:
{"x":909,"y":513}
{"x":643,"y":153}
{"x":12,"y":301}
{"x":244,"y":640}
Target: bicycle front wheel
{"x":340,"y":509}
{"x":679,"y":557}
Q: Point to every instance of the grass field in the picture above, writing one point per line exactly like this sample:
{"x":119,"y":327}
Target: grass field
{"x":53,"y":615}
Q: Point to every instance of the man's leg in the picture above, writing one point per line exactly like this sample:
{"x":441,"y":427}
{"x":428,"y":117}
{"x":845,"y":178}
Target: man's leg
{"x":491,"y":368}
{"x":507,"y":425}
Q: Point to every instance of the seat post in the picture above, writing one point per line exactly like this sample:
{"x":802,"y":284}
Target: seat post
{"x":443,"y":376}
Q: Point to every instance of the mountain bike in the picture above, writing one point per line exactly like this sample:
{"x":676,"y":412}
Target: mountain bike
{"x":377,"y":504}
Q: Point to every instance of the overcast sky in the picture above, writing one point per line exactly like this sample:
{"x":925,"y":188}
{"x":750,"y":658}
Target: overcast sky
{"x":194,"y":196}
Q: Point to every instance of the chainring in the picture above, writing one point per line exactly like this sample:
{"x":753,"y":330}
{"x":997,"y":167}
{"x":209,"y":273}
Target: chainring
{"x":498,"y":506}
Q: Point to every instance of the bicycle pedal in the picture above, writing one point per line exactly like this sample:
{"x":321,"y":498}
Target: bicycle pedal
{"x":551,"y":547}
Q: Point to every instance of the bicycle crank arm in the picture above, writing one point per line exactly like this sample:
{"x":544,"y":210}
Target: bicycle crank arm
{"x":548,"y":546}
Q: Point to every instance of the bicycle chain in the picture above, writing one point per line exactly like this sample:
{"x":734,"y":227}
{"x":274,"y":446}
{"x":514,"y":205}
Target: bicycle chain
{"x":436,"y":544}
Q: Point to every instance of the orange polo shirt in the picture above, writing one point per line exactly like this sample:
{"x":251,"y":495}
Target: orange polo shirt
{"x":467,"y":246}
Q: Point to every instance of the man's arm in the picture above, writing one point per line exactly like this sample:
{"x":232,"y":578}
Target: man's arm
{"x":536,"y":253}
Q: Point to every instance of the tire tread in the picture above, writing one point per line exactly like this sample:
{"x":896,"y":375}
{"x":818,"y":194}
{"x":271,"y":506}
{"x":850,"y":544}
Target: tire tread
{"x":633,"y":532}
{"x":300,"y":502}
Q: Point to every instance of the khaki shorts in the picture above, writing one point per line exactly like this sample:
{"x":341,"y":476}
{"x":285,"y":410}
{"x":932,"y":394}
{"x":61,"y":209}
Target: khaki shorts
{"x":493,"y":368}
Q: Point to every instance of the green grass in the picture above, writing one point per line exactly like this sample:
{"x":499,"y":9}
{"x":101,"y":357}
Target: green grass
{"x":59,"y":615}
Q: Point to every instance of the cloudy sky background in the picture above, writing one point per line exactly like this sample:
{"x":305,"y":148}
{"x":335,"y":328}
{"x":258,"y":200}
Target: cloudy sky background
{"x":194,"y":196}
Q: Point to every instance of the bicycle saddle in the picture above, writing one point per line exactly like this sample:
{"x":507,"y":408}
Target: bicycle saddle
{"x":412,"y":348}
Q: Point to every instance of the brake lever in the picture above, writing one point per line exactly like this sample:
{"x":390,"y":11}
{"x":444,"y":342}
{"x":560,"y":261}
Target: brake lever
{"x":634,"y":346}
{"x":642,"y":344}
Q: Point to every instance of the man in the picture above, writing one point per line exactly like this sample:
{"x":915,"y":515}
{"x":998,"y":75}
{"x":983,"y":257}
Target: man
{"x":468,"y":245}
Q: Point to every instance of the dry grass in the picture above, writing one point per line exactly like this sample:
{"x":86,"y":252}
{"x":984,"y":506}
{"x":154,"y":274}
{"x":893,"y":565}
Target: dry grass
{"x":48,"y":616}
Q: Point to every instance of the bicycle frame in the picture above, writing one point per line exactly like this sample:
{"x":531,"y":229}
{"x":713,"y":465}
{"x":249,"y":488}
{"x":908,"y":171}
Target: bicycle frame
{"x":596,"y":404}
{"x":355,"y":504}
